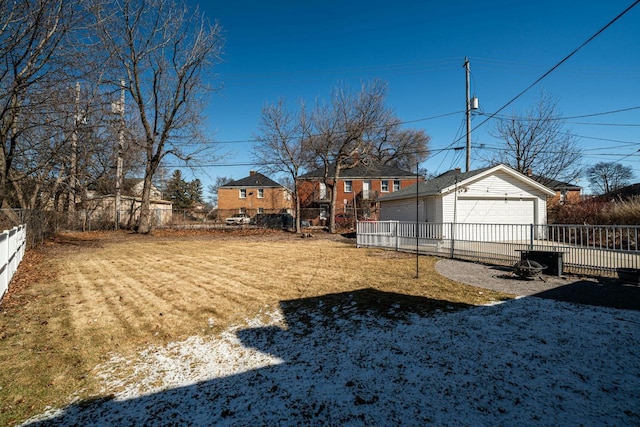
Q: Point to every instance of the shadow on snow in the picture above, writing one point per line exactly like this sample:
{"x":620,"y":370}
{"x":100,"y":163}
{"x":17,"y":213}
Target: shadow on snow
{"x":375,"y":358}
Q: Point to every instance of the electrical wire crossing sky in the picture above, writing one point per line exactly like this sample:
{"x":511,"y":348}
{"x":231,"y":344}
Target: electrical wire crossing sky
{"x":584,"y":54}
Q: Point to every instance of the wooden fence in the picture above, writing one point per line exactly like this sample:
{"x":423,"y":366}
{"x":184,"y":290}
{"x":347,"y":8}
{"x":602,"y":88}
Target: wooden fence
{"x":12,"y":247}
{"x":586,"y":249}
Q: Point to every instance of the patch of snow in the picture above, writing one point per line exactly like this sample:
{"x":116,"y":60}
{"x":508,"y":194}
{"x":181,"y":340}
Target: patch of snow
{"x":528,"y":361}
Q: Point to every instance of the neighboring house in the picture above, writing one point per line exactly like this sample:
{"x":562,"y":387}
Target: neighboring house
{"x":624,"y":193}
{"x":101,"y":207}
{"x":494,"y":195}
{"x":566,"y":193}
{"x":133,"y":187}
{"x":255,"y":194}
{"x":362,"y":184}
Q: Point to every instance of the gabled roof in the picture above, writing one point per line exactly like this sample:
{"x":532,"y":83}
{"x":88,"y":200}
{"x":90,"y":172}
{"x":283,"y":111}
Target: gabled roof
{"x":362,"y":171}
{"x":627,"y":192}
{"x":256,"y":179}
{"x":554,"y":184}
{"x":447,"y":182}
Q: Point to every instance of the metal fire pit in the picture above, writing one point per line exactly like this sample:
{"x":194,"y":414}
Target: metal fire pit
{"x":528,"y":268}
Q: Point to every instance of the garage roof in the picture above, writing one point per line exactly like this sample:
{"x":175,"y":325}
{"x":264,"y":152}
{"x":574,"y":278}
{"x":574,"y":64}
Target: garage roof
{"x":443,"y":183}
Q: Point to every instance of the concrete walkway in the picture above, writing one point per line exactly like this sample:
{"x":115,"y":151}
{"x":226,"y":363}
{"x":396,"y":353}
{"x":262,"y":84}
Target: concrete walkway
{"x":599,"y":291}
{"x":500,"y":278}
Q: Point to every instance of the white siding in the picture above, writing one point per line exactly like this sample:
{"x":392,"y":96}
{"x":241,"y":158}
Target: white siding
{"x":402,"y":210}
{"x":448,"y":206}
{"x":500,"y":184}
{"x":434,"y":209}
{"x":541,"y":207}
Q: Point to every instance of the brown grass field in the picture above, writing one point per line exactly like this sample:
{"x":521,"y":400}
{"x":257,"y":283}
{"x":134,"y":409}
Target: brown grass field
{"x":85,"y":296}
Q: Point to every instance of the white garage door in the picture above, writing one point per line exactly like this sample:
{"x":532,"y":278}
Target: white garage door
{"x":518,"y":214}
{"x":496,"y":211}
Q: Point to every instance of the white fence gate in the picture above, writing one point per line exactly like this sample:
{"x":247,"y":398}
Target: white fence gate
{"x":12,"y":247}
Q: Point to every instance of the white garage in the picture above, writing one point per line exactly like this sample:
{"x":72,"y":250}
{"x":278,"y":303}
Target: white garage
{"x":495,"y":195}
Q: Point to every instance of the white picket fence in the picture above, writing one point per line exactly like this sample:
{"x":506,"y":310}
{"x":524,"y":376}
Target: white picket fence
{"x":12,"y":247}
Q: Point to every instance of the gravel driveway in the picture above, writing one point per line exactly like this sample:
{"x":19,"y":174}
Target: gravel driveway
{"x":600,"y":291}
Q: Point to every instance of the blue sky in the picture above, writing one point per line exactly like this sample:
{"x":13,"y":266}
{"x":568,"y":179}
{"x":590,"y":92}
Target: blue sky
{"x":301,"y":49}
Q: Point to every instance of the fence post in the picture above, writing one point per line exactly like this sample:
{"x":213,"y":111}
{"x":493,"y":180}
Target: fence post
{"x":453,"y":239}
{"x":531,"y":236}
{"x":395,"y":232}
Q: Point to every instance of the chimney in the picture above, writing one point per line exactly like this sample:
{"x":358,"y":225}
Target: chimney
{"x":529,"y":173}
{"x":457,"y":170}
{"x":251,"y":173}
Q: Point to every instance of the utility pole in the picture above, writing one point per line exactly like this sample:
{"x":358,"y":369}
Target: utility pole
{"x":468,"y":114}
{"x":119,"y":161}
{"x":77,"y":119}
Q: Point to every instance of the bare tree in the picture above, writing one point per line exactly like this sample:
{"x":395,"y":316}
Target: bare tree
{"x":398,"y":147}
{"x":213,"y":188}
{"x":163,"y":50}
{"x":356,"y":128}
{"x":280,"y":147}
{"x":538,"y":142}
{"x":34,"y":57}
{"x":605,"y":177}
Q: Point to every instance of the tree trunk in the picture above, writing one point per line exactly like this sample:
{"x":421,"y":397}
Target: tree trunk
{"x":298,"y":212}
{"x":144,"y":221}
{"x":334,"y":199}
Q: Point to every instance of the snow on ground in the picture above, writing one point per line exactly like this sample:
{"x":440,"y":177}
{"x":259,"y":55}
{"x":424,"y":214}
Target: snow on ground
{"x":524,"y":362}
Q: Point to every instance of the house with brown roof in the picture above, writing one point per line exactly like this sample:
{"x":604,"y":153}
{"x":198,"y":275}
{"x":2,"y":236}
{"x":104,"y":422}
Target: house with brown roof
{"x":566,"y":193}
{"x":254,"y":194}
{"x":357,"y":188}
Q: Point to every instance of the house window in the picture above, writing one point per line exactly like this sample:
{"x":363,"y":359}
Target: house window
{"x":243,"y":193}
{"x":396,"y":185}
{"x":260,"y":193}
{"x":563,"y":197}
{"x":348,"y":186}
{"x":384,"y":186}
{"x":323,"y":191}
{"x":260,"y":210}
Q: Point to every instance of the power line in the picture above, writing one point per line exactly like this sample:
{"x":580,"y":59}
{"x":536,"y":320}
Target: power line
{"x":400,"y":123}
{"x":245,"y":164}
{"x":563,"y":60}
{"x":582,"y":116}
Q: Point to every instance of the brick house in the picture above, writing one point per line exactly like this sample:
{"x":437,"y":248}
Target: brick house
{"x":360,"y":187}
{"x":255,"y":194}
{"x":566,"y":193}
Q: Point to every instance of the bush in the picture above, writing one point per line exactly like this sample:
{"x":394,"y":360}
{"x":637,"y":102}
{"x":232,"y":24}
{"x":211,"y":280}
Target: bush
{"x":598,"y":211}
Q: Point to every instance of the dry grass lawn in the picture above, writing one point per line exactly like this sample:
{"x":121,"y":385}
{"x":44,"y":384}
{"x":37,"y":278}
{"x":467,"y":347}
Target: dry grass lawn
{"x":83,"y":297}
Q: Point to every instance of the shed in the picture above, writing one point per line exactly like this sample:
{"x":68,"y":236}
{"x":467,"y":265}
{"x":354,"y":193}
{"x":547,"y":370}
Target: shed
{"x":493,"y":195}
